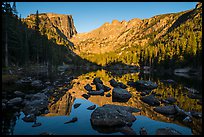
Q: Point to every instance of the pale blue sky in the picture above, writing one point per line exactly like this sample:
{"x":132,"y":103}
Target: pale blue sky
{"x":91,"y":15}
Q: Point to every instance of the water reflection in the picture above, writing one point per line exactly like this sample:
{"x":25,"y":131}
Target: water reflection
{"x":62,"y":110}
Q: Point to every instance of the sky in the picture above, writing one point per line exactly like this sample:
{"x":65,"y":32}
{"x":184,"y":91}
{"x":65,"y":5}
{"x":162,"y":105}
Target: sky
{"x":88,"y":16}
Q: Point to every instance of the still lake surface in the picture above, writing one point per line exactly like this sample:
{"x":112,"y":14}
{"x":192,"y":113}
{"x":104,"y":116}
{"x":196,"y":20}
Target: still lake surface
{"x":63,"y":110}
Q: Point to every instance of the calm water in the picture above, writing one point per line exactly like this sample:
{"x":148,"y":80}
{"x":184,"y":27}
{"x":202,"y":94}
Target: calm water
{"x":63,"y":111}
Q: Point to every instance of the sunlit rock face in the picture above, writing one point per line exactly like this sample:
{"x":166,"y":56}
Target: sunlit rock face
{"x":62,"y":107}
{"x":61,"y":24}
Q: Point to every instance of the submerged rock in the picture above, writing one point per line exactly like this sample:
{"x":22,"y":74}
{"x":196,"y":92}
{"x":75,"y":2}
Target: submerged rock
{"x":36,"y":124}
{"x":77,"y":105}
{"x":143,"y":131}
{"x":113,"y":115}
{"x":74,"y":119}
{"x":91,"y":107}
{"x":167,"y":131}
{"x":150,"y":100}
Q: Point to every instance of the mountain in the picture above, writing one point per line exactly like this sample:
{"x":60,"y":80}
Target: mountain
{"x":144,"y":42}
{"x":58,"y":26}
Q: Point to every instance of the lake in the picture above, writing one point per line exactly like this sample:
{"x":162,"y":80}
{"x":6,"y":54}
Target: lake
{"x":62,"y":110}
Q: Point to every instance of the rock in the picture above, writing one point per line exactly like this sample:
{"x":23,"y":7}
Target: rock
{"x":28,"y":97}
{"x":86,"y":96}
{"x":74,"y":119}
{"x":194,"y":96}
{"x":100,"y":92}
{"x":63,"y":68}
{"x":196,"y":114}
{"x":19,"y":93}
{"x":36,"y":105}
{"x":150,"y":100}
{"x":3,"y":105}
{"x":108,"y":95}
{"x":106,"y":88}
{"x":191,"y":90}
{"x":113,"y":83}
{"x":77,"y":105}
{"x":15,"y":101}
{"x":126,"y":130}
{"x":143,"y":131}
{"x":97,"y":80}
{"x":121,"y":94}
{"x":29,"y":118}
{"x":187,"y":119}
{"x":171,"y":100}
{"x":91,"y":107}
{"x":4,"y":100}
{"x":26,"y":80}
{"x":181,"y":112}
{"x":99,"y":86}
{"x":113,"y":115}
{"x":37,"y":84}
{"x":36,"y":124}
{"x":169,"y":81}
{"x":120,"y":84}
{"x":48,"y":83}
{"x":143,"y":85}
{"x":167,"y":131}
{"x":167,"y":110}
{"x":88,"y":87}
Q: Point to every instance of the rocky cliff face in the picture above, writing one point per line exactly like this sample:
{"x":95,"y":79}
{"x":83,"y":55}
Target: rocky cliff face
{"x":53,"y":25}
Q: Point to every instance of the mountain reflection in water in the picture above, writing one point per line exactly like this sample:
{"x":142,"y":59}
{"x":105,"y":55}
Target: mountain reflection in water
{"x":62,"y":110}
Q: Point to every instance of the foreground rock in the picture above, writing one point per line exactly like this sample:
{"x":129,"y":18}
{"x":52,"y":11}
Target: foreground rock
{"x":113,"y":115}
{"x":100,"y":92}
{"x":167,"y":110}
{"x":36,"y":105}
{"x":150,"y":100}
{"x":121,"y":94}
{"x":113,"y":83}
{"x":143,"y":85}
{"x":167,"y":131}
{"x":97,"y":80}
{"x":14,"y":101}
{"x":88,"y":87}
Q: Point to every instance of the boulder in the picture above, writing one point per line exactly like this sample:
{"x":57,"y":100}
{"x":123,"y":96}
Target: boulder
{"x":106,"y":88}
{"x":150,"y":100}
{"x":120,"y":84}
{"x":143,"y":85}
{"x":86,"y":96}
{"x":121,"y":94}
{"x":108,"y":95}
{"x":99,"y":86}
{"x":171,"y":100}
{"x":88,"y":87}
{"x":15,"y":101}
{"x":19,"y":93}
{"x":113,"y":83}
{"x":167,"y":131}
{"x":29,"y":118}
{"x":113,"y":115}
{"x":100,"y":92}
{"x":97,"y":80}
{"x":36,"y":105}
{"x":37,"y":84}
{"x":167,"y":110}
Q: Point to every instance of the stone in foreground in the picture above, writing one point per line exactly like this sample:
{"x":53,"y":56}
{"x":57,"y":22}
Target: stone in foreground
{"x":113,"y":115}
{"x":151,"y":100}
{"x":121,"y":94}
{"x":168,"y":110}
